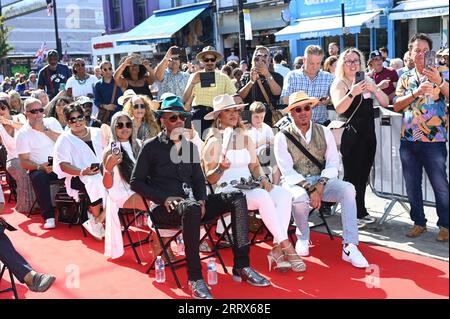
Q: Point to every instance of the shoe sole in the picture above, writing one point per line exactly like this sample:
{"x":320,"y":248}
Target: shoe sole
{"x":94,"y":236}
{"x":239,"y":279}
{"x":345,"y":258}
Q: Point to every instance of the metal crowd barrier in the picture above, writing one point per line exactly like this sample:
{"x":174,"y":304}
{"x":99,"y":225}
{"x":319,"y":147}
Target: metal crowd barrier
{"x":386,"y":178}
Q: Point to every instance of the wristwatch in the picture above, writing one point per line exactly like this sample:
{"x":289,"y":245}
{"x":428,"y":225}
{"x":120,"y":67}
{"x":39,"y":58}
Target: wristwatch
{"x":270,"y":78}
{"x":350,"y":95}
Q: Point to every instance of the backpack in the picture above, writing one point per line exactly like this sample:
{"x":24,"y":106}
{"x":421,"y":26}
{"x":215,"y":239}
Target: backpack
{"x":69,"y":211}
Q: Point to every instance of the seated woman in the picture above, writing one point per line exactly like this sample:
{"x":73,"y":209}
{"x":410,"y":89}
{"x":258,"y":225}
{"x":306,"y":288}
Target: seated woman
{"x":144,"y":123}
{"x":119,"y":159}
{"x":56,"y":110}
{"x":225,"y":162}
{"x":9,"y":125}
{"x":77,"y":157}
{"x":263,"y":137}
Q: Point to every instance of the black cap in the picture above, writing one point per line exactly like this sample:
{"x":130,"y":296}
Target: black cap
{"x":375,"y":54}
{"x":52,"y":54}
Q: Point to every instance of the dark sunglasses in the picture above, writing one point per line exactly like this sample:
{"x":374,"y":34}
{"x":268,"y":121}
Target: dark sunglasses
{"x":3,"y":106}
{"x":37,"y":111}
{"x":300,"y":109}
{"x":174,"y":118}
{"x":210,"y":60}
{"x":107,"y":69}
{"x":79,"y":118}
{"x":175,"y":58}
{"x":139,"y":106}
{"x":121,"y":125}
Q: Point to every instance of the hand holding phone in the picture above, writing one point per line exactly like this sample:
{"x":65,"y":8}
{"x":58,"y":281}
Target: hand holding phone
{"x":430,"y":59}
{"x":188,"y":123}
{"x":176,"y":51}
{"x":95,"y":166}
{"x":50,"y":161}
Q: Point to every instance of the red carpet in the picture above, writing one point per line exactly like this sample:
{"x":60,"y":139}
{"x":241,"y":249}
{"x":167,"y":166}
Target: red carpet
{"x":83,"y":272}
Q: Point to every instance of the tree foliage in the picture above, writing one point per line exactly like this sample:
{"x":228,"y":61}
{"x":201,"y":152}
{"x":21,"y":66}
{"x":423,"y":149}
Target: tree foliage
{"x":5,"y":47}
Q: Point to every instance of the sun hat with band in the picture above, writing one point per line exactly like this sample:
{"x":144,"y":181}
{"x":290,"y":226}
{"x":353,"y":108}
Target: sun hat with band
{"x":221,"y":103}
{"x":172,"y":104}
{"x":128,"y":94}
{"x":300,"y":98}
{"x":209,"y":50}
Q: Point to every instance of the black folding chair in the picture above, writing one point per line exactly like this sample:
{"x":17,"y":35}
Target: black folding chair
{"x":323,"y":223}
{"x":128,"y":218}
{"x":182,"y":261}
{"x":13,"y":284}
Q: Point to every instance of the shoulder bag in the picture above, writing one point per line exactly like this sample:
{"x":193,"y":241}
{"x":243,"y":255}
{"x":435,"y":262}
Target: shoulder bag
{"x":276,"y":114}
{"x":311,"y":157}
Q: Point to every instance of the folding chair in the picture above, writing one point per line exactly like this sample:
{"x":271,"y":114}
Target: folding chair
{"x":13,"y":284}
{"x":323,"y":223}
{"x":127,"y":222}
{"x":182,"y":261}
{"x":59,"y":183}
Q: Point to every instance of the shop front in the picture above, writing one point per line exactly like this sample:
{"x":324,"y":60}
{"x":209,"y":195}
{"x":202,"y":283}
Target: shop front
{"x":367,"y":26}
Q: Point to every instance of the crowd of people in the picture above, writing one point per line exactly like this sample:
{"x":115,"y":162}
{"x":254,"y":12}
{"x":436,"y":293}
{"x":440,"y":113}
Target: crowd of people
{"x":255,"y":132}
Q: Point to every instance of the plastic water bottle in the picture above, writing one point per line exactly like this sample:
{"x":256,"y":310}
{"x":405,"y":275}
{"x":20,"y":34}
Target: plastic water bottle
{"x":212,"y":271}
{"x":180,"y":245}
{"x":160,"y":272}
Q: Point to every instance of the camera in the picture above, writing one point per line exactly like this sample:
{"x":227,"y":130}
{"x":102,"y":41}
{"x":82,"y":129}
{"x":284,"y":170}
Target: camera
{"x":50,"y":161}
{"x":177,"y":51}
{"x":115,"y":148}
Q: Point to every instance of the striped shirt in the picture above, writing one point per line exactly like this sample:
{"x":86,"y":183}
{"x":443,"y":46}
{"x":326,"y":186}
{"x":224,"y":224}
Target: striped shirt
{"x":318,"y":87}
{"x":205,"y":96}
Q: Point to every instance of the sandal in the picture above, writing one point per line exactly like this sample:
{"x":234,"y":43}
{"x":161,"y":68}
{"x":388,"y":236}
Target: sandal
{"x":281,"y":264}
{"x":297,"y":264}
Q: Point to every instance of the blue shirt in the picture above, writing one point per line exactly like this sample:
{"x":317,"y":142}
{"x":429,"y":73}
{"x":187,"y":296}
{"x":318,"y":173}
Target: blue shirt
{"x":103,"y":94}
{"x":52,"y":79}
{"x":318,"y":87}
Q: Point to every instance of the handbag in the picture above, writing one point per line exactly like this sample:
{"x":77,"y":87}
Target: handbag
{"x":277,"y":115}
{"x":338,"y":127}
{"x":104,"y":114}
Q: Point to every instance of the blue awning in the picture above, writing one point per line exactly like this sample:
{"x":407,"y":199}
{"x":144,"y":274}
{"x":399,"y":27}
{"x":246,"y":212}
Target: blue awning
{"x":160,"y":27}
{"x":321,"y":27}
{"x":419,"y":9}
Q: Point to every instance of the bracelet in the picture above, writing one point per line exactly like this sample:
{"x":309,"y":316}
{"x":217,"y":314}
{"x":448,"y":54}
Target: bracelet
{"x":219,"y":170}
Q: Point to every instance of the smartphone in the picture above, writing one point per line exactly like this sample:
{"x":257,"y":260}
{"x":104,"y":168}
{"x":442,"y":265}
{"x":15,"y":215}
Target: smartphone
{"x":207,"y":79}
{"x":50,"y":161}
{"x":188,"y":123}
{"x":62,"y":86}
{"x":359,"y":76}
{"x":115,"y":148}
{"x":137,"y":61}
{"x":95,"y":166}
{"x":246,"y":116}
{"x":177,"y":51}
{"x":430,"y":59}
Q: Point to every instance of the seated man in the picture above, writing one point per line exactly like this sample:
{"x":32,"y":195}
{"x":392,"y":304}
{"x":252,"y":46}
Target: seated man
{"x":168,"y":172}
{"x":20,"y":268}
{"x":313,"y":179}
{"x":87,"y":103}
{"x":35,"y":143}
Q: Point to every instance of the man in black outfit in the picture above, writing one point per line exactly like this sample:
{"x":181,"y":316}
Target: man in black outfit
{"x":168,"y":172}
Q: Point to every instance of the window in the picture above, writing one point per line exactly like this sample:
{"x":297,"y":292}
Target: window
{"x":116,"y":14}
{"x":429,"y":25}
{"x":140,"y":11}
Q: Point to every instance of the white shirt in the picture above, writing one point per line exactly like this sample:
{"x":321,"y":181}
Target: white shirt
{"x":286,"y":163}
{"x":264,"y":135}
{"x":281,"y":69}
{"x":36,"y":143}
{"x":83,"y":89}
{"x":8,"y":140}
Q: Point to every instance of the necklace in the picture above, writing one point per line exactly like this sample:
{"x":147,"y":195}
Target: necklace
{"x":82,"y":82}
{"x":84,"y":136}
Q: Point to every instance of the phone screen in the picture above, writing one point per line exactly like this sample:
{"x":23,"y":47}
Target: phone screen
{"x":188,"y":123}
{"x":176,"y":51}
{"x":95,"y":166}
{"x":246,"y":116}
{"x":430,"y":59}
{"x":207,"y":79}
{"x":50,"y":161}
{"x":359,"y":76}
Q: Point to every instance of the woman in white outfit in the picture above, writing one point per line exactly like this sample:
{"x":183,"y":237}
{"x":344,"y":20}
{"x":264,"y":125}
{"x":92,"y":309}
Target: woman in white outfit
{"x":77,"y":156}
{"x":237,"y":159}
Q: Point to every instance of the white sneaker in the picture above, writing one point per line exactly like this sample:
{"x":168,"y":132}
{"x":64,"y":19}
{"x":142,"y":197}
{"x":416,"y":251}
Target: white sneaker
{"x":302,"y":247}
{"x":93,"y":228}
{"x":50,"y":223}
{"x":352,"y":255}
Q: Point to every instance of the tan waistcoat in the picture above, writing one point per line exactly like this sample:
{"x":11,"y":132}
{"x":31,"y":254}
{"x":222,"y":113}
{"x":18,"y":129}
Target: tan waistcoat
{"x":317,"y":147}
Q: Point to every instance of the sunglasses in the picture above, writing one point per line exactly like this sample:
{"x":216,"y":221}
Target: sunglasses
{"x":37,"y":111}
{"x":121,"y":125}
{"x":174,"y":118}
{"x":107,"y":69}
{"x":79,"y":118}
{"x":139,"y":106}
{"x":300,"y":109}
{"x":176,"y":59}
{"x":3,"y":106}
{"x":209,"y":60}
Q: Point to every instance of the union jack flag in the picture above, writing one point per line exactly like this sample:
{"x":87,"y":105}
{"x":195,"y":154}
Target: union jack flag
{"x":40,"y":54}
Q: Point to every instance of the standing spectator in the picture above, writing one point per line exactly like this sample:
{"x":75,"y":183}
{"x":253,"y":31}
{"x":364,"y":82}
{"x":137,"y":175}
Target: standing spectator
{"x":232,"y":57}
{"x":237,"y":78}
{"x":135,"y":73}
{"x":32,"y":83}
{"x":385,"y":78}
{"x":203,"y":96}
{"x":260,"y":76}
{"x":168,"y":72}
{"x":278,"y":67}
{"x":330,"y":64}
{"x":104,"y":90}
{"x":424,"y":135}
{"x":81,"y":83}
{"x":56,"y":110}
{"x":359,"y":143}
{"x":396,"y":64}
{"x":53,"y":75}
{"x":35,"y":143}
{"x":384,"y":53}
{"x":311,"y":80}
{"x":9,"y":126}
{"x":408,"y":62}
{"x":298,"y":62}
{"x":333,"y":49}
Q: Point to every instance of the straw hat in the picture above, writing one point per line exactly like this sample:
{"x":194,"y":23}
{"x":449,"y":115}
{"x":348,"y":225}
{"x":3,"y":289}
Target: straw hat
{"x":209,"y":50}
{"x":300,"y":98}
{"x":128,"y":94}
{"x":222,"y":103}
